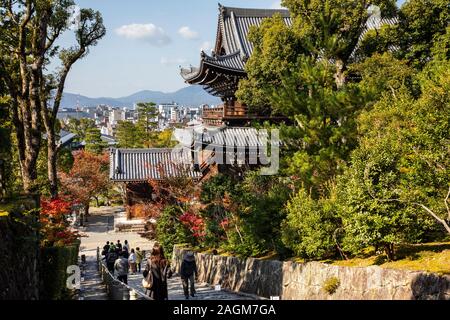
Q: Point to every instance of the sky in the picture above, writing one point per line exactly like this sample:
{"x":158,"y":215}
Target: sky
{"x":145,"y":43}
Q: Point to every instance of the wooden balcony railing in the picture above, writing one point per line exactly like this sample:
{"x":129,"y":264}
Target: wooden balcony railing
{"x":224,"y":111}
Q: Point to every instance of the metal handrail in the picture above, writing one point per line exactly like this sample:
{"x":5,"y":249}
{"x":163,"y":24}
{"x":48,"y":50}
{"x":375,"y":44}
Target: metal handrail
{"x":117,"y":290}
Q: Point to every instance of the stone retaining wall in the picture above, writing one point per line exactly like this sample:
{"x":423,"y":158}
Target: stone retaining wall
{"x":306,"y":281}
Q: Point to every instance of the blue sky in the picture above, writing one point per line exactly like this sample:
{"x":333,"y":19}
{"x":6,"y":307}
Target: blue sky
{"x":146,"y":41}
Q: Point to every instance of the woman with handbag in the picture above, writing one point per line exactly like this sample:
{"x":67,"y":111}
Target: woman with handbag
{"x":156,"y":273}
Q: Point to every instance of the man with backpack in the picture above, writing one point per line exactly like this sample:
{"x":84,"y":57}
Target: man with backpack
{"x":111,"y":258}
{"x":105,"y":249}
{"x":121,"y":266}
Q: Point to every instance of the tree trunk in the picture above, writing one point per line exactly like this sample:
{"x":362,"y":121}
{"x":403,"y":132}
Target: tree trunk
{"x":86,"y":211}
{"x":52,"y":155}
{"x":81,"y":219}
{"x":29,"y":172}
{"x":389,"y":250}
{"x":52,"y":150}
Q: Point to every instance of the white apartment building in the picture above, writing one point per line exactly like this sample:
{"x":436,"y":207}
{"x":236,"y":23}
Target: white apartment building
{"x":116,"y":116}
{"x":165,"y":110}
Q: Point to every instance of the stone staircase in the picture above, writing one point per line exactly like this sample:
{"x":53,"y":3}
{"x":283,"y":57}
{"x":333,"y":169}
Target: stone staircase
{"x":121,"y":224}
{"x":136,"y":228}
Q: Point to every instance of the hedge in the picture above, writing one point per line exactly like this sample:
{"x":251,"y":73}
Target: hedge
{"x":53,"y":267}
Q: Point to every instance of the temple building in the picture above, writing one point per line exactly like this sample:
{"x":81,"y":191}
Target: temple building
{"x":225,"y":142}
{"x":220,"y":72}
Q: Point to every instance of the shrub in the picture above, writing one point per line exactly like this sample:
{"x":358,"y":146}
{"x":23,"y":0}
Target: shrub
{"x":309,"y":226}
{"x":53,"y":266}
{"x":331,"y":285}
{"x":170,"y":230}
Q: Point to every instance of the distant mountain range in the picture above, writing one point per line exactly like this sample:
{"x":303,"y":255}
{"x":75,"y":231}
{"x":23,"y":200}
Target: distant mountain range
{"x":189,"y":96}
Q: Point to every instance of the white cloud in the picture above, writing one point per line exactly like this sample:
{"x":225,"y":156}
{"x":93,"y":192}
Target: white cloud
{"x":188,"y":33}
{"x":148,"y":32}
{"x":277,"y":5}
{"x":206,"y":46}
{"x":170,"y":62}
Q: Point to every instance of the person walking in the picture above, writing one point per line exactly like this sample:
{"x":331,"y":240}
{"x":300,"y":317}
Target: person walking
{"x":126,"y":246}
{"x":119,"y":245}
{"x":105,"y":249}
{"x":188,"y":273}
{"x":132,"y":261}
{"x":158,"y":269}
{"x":121,"y":266}
{"x":111,"y":258}
{"x":139,"y":257}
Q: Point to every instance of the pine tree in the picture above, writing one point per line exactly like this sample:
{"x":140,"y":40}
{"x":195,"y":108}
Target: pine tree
{"x":94,"y":142}
{"x":147,"y":123}
{"x":127,"y":135}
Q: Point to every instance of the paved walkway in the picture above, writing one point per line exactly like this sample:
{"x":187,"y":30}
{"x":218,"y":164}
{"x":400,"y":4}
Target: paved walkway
{"x":204,"y":290}
{"x":92,"y":287}
{"x":99,"y":229}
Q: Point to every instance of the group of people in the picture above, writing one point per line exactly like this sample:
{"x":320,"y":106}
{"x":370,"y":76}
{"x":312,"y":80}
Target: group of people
{"x":122,"y":259}
{"x":157,"y":270}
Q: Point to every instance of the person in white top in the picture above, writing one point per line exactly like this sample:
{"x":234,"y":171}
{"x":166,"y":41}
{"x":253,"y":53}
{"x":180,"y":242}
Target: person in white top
{"x":132,"y":261}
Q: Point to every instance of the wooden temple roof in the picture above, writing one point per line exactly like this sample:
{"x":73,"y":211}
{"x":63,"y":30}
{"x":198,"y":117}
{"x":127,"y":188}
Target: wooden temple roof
{"x":141,"y":165}
{"x":220,"y":72}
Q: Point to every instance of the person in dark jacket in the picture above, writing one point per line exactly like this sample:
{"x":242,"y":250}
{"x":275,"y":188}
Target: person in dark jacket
{"x":188,"y":273}
{"x":111,"y":258}
{"x":119,"y":245}
{"x":160,"y":269}
{"x":105,"y":249}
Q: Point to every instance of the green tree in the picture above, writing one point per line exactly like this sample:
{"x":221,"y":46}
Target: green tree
{"x":163,"y":139}
{"x":147,"y":123}
{"x":94,"y":142}
{"x":397,"y":187}
{"x":127,"y":135}
{"x":28,"y":44}
{"x":170,"y":230}
{"x":324,"y":30}
{"x":421,"y":25}
{"x":325,"y":132}
{"x":310,"y":228}
{"x":276,"y":49}
{"x":261,"y":200}
{"x":302,"y":72}
{"x":382,"y":73}
{"x":80,"y":127}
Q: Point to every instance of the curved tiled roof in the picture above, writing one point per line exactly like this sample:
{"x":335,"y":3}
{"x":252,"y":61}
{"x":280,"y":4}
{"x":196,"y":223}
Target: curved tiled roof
{"x":235,"y":24}
{"x":232,"y":35}
{"x":232,"y":62}
{"x":140,"y":165}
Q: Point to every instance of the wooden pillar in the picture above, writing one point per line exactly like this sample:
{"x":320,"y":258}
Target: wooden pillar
{"x":127,"y":201}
